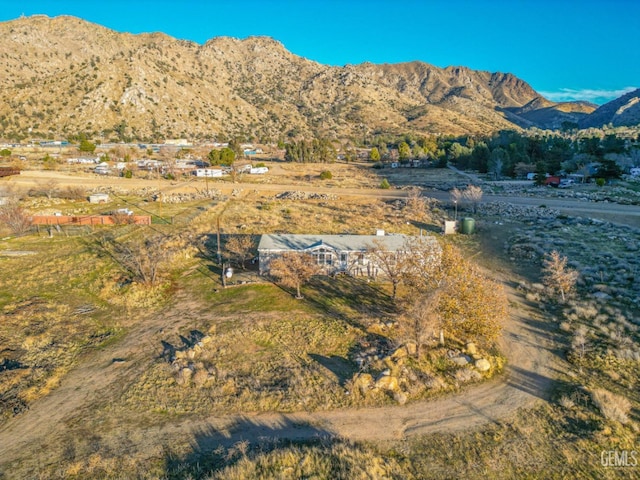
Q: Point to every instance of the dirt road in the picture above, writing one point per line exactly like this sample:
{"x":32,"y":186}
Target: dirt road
{"x":52,"y":420}
{"x":622,"y":214}
{"x":527,"y":343}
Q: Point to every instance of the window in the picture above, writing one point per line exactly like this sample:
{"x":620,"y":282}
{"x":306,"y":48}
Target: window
{"x":361,"y":259}
{"x":323,"y":256}
{"x":343,"y":257}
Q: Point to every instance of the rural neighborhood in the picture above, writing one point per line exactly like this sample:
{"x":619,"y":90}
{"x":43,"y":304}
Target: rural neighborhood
{"x":220,"y":259}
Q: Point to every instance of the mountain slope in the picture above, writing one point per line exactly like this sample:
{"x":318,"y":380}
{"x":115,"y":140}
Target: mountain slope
{"x":63,"y":75}
{"x":623,"y":111}
{"x":545,"y":114}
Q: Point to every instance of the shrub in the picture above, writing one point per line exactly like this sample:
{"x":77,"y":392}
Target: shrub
{"x":567,"y":402}
{"x":15,"y":217}
{"x":385,"y":184}
{"x":613,"y":407}
{"x":326,"y":175}
{"x":600,"y":182}
{"x":127,"y":174}
{"x":73,"y":193}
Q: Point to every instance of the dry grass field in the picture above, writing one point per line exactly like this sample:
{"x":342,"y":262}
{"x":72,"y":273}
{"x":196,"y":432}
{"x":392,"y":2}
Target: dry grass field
{"x":94,"y":366}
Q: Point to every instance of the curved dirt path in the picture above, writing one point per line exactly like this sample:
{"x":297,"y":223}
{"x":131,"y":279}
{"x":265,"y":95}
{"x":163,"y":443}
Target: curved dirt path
{"x":48,"y":423}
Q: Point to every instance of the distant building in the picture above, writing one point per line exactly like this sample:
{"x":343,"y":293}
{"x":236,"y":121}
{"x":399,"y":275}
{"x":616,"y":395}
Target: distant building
{"x":177,"y":141}
{"x":99,"y":198}
{"x":209,"y":172}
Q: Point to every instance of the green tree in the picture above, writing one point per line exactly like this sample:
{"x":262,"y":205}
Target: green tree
{"x":459,"y":154}
{"x":87,"y":146}
{"x":121,"y":130}
{"x":609,"y":169}
{"x":227,"y":156}
{"x":404,"y":151}
{"x":481,"y":157}
{"x":323,"y":151}
{"x":385,"y":184}
{"x":234,"y":145}
{"x":374,"y":154}
{"x":613,"y":144}
{"x":5,"y":152}
{"x":214,"y":157}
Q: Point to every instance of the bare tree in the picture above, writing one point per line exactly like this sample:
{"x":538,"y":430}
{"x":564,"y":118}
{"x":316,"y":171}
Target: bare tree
{"x":416,"y":204}
{"x":580,"y":344}
{"x":16,"y":218}
{"x":421,"y":320}
{"x":240,"y":248}
{"x":122,"y":218}
{"x":557,"y":275}
{"x":391,"y":263}
{"x":47,"y":188}
{"x":456,"y":195}
{"x":473,"y":194}
{"x":293,"y":269}
{"x":421,"y":263}
{"x":146,"y":260}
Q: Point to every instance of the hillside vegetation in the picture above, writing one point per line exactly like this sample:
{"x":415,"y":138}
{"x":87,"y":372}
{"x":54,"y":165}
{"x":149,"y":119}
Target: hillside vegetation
{"x":64,"y":75}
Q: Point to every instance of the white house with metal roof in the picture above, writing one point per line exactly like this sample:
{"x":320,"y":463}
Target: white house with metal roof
{"x":334,"y":253}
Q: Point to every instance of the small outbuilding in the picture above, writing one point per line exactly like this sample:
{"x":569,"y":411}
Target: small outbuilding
{"x":99,"y":198}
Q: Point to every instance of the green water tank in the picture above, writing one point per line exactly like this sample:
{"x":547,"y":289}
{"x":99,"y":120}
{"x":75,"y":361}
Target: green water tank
{"x":468,"y":226}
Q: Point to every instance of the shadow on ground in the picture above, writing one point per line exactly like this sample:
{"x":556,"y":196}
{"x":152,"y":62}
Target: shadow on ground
{"x":212,"y":450}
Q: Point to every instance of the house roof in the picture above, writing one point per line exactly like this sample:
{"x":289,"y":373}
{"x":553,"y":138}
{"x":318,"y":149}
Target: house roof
{"x":356,"y":243}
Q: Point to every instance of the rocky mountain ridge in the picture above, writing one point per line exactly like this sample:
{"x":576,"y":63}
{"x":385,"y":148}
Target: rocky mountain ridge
{"x":63,"y":76}
{"x":623,"y":111}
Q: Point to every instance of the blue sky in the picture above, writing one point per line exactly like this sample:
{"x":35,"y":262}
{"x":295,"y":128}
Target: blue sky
{"x":566,"y":49}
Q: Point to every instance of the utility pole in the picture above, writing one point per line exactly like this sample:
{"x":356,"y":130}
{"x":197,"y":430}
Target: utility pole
{"x":218,"y":242}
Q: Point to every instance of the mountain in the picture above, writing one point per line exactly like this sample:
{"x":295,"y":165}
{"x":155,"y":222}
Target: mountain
{"x":623,"y":111}
{"x":62,"y":76}
{"x":542,"y":113}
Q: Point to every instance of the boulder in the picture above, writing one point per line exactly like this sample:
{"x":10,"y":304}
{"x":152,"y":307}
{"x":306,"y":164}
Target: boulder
{"x":400,"y":397}
{"x":471,"y":348}
{"x":482,"y":365}
{"x":461,"y":360}
{"x":400,"y":353}
{"x":387,"y":382}
{"x":363,"y":381}
{"x":601,"y":296}
{"x":412,"y":348}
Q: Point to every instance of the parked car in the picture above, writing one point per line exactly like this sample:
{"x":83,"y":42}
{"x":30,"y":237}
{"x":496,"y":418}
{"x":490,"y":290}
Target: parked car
{"x":566,"y":183}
